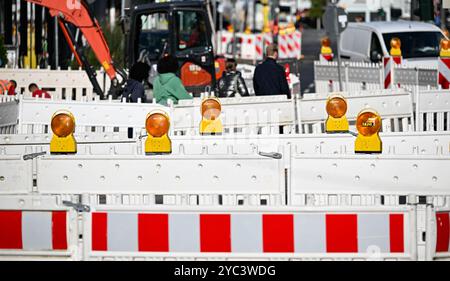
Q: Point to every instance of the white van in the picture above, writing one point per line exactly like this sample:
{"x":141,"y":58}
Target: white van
{"x":370,"y":42}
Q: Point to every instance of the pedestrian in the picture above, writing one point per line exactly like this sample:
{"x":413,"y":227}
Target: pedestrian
{"x":231,"y":84}
{"x":12,"y":88}
{"x":167,"y":86}
{"x":270,"y":77}
{"x":36,"y":92}
{"x":134,"y":88}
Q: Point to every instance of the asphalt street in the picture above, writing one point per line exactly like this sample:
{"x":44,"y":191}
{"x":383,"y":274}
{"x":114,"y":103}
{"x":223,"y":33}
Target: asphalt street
{"x":311,"y":50}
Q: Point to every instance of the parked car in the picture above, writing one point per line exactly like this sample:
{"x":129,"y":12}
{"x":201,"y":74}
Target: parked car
{"x":370,"y":42}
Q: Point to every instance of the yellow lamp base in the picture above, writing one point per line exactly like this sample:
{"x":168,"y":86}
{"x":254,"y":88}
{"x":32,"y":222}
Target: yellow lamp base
{"x":63,"y":145}
{"x":336,"y":125}
{"x":211,"y":127}
{"x":161,"y":145}
{"x":371,"y":144}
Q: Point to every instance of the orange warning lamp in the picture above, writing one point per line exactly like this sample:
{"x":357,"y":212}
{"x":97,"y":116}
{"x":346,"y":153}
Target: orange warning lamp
{"x":396,"y":47}
{"x":336,"y":108}
{"x":445,"y":48}
{"x":326,"y":49}
{"x":157,"y":125}
{"x":368,"y":124}
{"x":210,"y":110}
{"x":63,"y":126}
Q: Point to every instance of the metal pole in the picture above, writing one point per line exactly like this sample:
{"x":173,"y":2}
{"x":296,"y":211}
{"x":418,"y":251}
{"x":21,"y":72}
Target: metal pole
{"x":56,"y":44}
{"x":338,"y":36}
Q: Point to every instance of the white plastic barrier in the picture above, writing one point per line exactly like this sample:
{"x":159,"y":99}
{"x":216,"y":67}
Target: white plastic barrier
{"x":368,"y":174}
{"x":244,"y":115}
{"x":358,"y":76}
{"x":394,"y":106}
{"x":433,"y":110}
{"x":61,"y":84}
{"x":33,"y":116}
{"x":142,"y":233}
{"x":37,"y":227}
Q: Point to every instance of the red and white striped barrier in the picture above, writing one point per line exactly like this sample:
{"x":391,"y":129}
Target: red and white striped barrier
{"x":257,"y":233}
{"x":444,"y":72}
{"x":33,"y":230}
{"x":388,"y":70}
{"x":442,"y":232}
{"x":262,"y":41}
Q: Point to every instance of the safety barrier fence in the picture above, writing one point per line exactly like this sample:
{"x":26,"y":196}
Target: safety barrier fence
{"x":240,"y":115}
{"x":48,"y":227}
{"x":43,"y":227}
{"x":283,"y":172}
{"x":252,"y":46}
{"x":68,"y":84}
{"x":358,"y":76}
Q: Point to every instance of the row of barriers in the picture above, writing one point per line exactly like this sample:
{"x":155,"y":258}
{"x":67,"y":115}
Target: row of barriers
{"x":220,"y":193}
{"x":240,"y":115}
{"x":252,"y":46}
{"x":357,"y":76}
{"x":71,"y":84}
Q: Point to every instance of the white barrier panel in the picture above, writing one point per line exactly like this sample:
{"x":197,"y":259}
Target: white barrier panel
{"x":36,"y":227}
{"x":420,"y":143}
{"x":34,"y":115}
{"x":433,"y":111}
{"x":15,"y":175}
{"x":243,"y":115}
{"x":357,"y":76}
{"x":369,"y":174}
{"x":61,"y":84}
{"x":394,"y":107}
{"x":176,"y":174}
{"x":112,"y":233}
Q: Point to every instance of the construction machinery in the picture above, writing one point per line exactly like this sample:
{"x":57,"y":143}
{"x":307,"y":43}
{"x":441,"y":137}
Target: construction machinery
{"x":181,"y":28}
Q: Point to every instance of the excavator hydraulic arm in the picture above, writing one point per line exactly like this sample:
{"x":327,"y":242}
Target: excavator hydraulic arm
{"x":77,"y":13}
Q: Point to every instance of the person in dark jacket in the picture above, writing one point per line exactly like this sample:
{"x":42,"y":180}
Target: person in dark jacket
{"x":231,"y":83}
{"x":270,"y":77}
{"x":135,"y":87}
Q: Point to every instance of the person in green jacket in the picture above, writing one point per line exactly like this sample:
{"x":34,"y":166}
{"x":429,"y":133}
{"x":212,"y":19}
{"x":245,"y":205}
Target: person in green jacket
{"x":167,"y":86}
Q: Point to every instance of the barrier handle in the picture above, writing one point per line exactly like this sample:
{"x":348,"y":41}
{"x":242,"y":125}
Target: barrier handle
{"x":31,"y":156}
{"x":77,"y":206}
{"x":274,"y":155}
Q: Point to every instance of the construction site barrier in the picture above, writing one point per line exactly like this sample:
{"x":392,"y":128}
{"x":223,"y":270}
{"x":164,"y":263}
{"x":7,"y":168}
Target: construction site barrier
{"x":37,"y":227}
{"x":394,"y":106}
{"x":61,"y":84}
{"x":240,"y":115}
{"x":32,"y":116}
{"x":120,"y":232}
{"x":252,"y":46}
{"x":433,"y":111}
{"x":358,"y":76}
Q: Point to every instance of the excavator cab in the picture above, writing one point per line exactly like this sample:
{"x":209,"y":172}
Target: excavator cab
{"x":181,"y":29}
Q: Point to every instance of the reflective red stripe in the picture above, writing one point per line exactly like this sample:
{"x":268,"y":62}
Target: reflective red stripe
{"x":153,"y":232}
{"x":278,"y":233}
{"x":59,"y":230}
{"x":342,"y":233}
{"x":443,"y":233}
{"x":10,"y":230}
{"x":215,"y":233}
{"x":99,"y":231}
{"x":397,"y":60}
{"x":396,"y":233}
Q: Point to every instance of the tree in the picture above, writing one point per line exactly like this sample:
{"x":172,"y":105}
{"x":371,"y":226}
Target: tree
{"x":317,"y":8}
{"x":115,"y":39}
{"x":3,"y":55}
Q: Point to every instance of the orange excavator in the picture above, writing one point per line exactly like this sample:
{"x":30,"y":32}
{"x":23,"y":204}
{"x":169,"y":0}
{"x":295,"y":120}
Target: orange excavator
{"x":180,"y":28}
